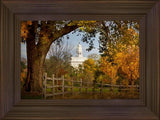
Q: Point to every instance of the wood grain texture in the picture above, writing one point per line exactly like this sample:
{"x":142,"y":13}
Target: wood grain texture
{"x":153,"y":61}
{"x":1,"y":111}
{"x":75,"y":7}
{"x":8,"y":84}
{"x":77,"y":110}
{"x":17,"y":52}
{"x":142,"y":58}
{"x":82,"y":102}
{"x":15,"y":10}
{"x":6,"y":61}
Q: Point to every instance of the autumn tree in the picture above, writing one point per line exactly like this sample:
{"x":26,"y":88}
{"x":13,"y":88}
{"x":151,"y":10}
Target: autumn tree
{"x":94,"y":56}
{"x":23,"y":70}
{"x":58,"y":62}
{"x":128,"y":63}
{"x":115,"y":33}
{"x":110,"y":69}
{"x":39,"y":35}
{"x":89,"y":68}
{"x":123,"y":58}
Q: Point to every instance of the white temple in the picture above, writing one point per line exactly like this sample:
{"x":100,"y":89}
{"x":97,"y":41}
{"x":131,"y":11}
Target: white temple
{"x":79,"y":59}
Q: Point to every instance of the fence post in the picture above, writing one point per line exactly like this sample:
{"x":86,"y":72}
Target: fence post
{"x":53,"y":90}
{"x":56,"y":83}
{"x":63,"y":85}
{"x":45,"y":82}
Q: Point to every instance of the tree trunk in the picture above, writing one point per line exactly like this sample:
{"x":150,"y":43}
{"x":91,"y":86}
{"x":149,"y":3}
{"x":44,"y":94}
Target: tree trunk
{"x":34,"y":71}
{"x":35,"y":61}
{"x":36,"y":54}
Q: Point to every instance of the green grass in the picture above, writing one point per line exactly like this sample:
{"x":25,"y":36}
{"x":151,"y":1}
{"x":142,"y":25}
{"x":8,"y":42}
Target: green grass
{"x":89,"y":89}
{"x":97,"y":94}
{"x":108,"y":95}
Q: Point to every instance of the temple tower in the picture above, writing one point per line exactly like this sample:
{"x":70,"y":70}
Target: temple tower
{"x":79,"y":50}
{"x":79,"y":59}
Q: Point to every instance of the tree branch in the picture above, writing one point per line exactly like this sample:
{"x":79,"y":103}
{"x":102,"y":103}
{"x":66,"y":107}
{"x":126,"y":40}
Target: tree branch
{"x":65,"y":30}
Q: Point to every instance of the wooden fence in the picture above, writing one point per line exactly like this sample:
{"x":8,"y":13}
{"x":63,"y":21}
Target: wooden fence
{"x":60,"y":86}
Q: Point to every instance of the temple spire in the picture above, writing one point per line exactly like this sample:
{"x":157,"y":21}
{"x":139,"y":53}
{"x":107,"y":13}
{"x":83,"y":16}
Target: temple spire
{"x":79,"y":50}
{"x":79,"y":59}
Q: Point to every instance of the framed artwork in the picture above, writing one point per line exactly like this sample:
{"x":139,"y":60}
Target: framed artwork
{"x":147,"y":12}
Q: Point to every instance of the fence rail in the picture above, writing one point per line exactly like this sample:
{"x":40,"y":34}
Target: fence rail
{"x":58,"y":86}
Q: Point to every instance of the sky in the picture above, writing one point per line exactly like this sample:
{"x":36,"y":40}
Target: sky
{"x":73,"y":40}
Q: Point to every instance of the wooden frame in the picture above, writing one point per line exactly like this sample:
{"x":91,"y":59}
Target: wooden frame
{"x":147,"y":11}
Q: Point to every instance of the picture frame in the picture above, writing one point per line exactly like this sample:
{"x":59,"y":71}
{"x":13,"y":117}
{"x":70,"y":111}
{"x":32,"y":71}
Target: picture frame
{"x":14,"y":11}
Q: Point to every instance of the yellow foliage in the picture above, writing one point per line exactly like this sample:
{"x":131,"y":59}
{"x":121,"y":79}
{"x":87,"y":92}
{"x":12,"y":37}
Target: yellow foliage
{"x":125,"y":56}
{"x":81,"y":23}
{"x":84,"y":25}
{"x":24,"y":30}
{"x":110,"y":69}
{"x":89,"y":69}
{"x":23,"y":75}
{"x":128,"y":61}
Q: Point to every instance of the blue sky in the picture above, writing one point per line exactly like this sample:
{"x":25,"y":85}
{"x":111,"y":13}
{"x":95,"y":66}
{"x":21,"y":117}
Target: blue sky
{"x":23,"y":50}
{"x":73,"y":41}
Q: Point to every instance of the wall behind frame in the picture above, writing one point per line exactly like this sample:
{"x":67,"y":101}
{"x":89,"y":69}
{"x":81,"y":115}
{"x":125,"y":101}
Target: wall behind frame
{"x":6,"y":60}
{"x":153,"y":59}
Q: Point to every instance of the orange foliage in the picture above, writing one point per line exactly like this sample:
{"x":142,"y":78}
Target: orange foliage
{"x":128,"y":61}
{"x":23,"y":75}
{"x":109,"y":69}
{"x":125,"y":56}
{"x":89,"y":69}
{"x":24,"y":29}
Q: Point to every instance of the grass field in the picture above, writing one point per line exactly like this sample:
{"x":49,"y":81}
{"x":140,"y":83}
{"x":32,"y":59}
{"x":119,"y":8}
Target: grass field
{"x":97,"y":94}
